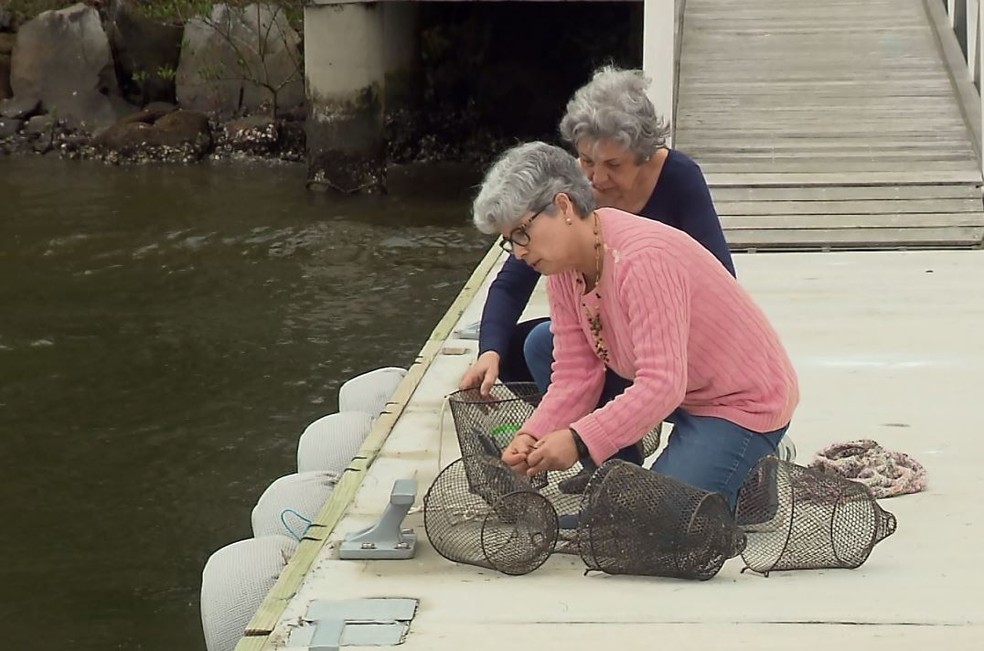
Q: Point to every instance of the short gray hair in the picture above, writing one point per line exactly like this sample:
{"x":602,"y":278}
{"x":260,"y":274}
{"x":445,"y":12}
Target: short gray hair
{"x":525,"y":178}
{"x":614,"y":105}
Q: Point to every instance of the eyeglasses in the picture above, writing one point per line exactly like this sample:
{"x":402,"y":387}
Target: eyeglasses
{"x":520,"y":236}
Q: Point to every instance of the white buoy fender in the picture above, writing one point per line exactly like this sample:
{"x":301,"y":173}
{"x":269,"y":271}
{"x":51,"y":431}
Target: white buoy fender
{"x":290,"y":502}
{"x":235,"y":581}
{"x":370,"y":391}
{"x":329,"y":443}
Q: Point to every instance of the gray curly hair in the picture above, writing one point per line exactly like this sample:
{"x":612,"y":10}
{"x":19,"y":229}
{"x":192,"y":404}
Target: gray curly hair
{"x":525,"y":178}
{"x":614,"y":105}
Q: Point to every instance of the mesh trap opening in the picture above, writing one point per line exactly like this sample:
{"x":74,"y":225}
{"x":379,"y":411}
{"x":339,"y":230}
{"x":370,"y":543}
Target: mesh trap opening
{"x":798,"y":518}
{"x":499,"y":522}
{"x":486,"y":425}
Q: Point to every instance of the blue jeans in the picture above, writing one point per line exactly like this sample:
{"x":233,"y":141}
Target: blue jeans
{"x":713,"y":454}
{"x":710,"y":453}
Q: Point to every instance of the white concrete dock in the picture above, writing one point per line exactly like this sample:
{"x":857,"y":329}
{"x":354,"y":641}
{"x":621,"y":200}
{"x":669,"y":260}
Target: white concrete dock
{"x":888,"y":346}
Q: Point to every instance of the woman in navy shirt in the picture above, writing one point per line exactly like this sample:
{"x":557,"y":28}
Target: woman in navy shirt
{"x":621,"y":146}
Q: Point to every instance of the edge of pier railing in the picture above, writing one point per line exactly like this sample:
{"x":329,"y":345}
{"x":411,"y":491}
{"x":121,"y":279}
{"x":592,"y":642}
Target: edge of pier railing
{"x":266,"y":618}
{"x":662,"y":24}
{"x":968,"y":97}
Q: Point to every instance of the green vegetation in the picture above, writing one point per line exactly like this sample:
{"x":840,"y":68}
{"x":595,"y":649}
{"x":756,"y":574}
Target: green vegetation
{"x":165,"y":11}
{"x":180,"y":11}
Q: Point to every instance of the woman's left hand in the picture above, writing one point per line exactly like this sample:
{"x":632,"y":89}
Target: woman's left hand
{"x":555,"y":451}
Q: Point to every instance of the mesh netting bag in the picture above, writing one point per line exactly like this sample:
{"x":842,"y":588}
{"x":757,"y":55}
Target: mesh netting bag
{"x":479,"y":512}
{"x":635,"y":521}
{"x":798,"y":518}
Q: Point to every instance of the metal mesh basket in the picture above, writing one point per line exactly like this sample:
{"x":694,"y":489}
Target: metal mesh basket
{"x":497,"y":521}
{"x":635,"y":521}
{"x":800,"y":518}
{"x":486,"y":425}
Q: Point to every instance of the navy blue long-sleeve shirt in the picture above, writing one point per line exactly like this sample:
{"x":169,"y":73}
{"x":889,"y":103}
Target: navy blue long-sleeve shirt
{"x":680,"y":199}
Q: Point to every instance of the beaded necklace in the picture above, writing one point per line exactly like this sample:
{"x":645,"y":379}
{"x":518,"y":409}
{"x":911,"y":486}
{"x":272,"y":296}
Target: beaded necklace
{"x":594,"y":317}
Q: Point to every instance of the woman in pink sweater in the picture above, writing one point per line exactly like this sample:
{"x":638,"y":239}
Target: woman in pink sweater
{"x":653,"y":305}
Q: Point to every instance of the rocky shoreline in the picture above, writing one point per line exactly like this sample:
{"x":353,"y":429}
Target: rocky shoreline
{"x":105,"y":81}
{"x":146,"y":137}
{"x":150,"y":89}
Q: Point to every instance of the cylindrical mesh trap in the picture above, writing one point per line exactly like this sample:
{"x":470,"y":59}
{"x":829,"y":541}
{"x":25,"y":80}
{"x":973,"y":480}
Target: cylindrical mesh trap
{"x":635,"y":521}
{"x":800,"y":518}
{"x":486,"y":425}
{"x":480,"y":512}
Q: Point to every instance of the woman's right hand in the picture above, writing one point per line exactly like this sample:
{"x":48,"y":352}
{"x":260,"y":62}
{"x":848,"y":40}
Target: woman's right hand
{"x":482,"y":374}
{"x":516,"y":452}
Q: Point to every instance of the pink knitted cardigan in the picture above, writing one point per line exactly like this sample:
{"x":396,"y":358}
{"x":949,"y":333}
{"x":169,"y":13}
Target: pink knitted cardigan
{"x":676,"y":322}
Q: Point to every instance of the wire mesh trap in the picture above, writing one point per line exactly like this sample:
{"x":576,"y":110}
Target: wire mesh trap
{"x":635,"y":521}
{"x":485,"y":425}
{"x":798,"y":518}
{"x":479,"y":512}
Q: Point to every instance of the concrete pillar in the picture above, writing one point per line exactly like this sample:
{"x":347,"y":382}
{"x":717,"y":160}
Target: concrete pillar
{"x":659,"y":55}
{"x":353,"y":52}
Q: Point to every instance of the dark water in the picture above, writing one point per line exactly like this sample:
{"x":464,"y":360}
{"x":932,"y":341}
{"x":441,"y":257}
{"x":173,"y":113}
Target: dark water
{"x":165,"y":336}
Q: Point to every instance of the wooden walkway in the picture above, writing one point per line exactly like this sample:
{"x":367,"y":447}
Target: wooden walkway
{"x":828,"y":124}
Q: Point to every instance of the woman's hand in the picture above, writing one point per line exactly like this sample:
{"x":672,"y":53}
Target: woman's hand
{"x":482,"y":374}
{"x":555,"y":451}
{"x":517,"y":451}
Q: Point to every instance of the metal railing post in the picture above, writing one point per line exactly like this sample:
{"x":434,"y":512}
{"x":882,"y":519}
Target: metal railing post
{"x":972,"y":25}
{"x":979,"y":57}
{"x":658,"y":50}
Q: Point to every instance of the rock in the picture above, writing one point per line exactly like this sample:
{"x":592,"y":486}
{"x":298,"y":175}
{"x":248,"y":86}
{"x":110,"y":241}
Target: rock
{"x":164,"y":107}
{"x":180,"y":136}
{"x":49,"y":64}
{"x":147,"y":115}
{"x":5,"y":90}
{"x":7,"y":42}
{"x":146,"y":53}
{"x":279,"y":68}
{"x":6,"y":19}
{"x":256,"y":135}
{"x":20,"y":107}
{"x":210,"y":77}
{"x":9,"y":127}
{"x":40,"y":124}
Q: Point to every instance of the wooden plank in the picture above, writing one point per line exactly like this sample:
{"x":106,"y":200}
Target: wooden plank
{"x":838,"y":178}
{"x":898,"y":101}
{"x":711,"y":132}
{"x":848,"y":221}
{"x":837,"y":159}
{"x":820,"y":145}
{"x":880,"y":207}
{"x":789,"y":168}
{"x":747,"y":153}
{"x":270,"y":611}
{"x":252,"y":643}
{"x":968,"y":237}
{"x":845,"y":193}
